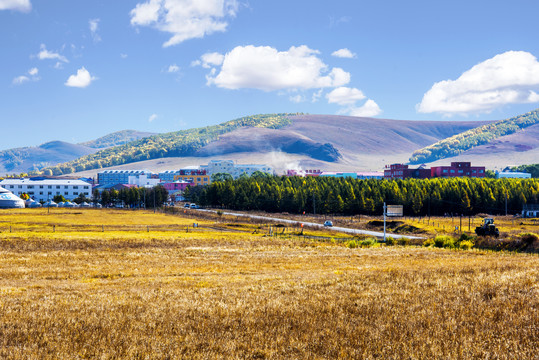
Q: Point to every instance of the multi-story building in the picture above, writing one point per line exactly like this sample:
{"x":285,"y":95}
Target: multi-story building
{"x":458,"y":169}
{"x":41,"y":189}
{"x":401,"y":171}
{"x":235,"y":170}
{"x":114,"y":177}
{"x":194,"y":176}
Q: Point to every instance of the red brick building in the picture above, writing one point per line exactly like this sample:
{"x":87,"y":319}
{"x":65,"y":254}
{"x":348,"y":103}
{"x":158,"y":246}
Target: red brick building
{"x":458,"y":169}
{"x":401,"y":171}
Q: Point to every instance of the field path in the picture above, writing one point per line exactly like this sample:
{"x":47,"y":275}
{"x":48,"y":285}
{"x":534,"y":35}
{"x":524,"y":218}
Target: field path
{"x":311,"y":224}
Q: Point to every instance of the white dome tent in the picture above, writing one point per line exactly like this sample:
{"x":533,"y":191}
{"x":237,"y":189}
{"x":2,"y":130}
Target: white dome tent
{"x":8,"y":200}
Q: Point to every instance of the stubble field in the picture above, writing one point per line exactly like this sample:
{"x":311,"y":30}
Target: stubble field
{"x":119,"y":284}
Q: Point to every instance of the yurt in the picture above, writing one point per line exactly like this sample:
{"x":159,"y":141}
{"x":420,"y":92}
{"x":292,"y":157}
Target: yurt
{"x":8,"y":200}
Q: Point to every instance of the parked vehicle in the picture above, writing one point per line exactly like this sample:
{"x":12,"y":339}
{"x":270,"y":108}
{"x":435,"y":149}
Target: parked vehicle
{"x":328,"y":223}
{"x":487,"y":228}
{"x":186,"y":205}
{"x":195,"y":206}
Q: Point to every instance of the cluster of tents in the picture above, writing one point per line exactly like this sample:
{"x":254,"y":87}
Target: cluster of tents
{"x":8,"y":200}
{"x":30,"y":203}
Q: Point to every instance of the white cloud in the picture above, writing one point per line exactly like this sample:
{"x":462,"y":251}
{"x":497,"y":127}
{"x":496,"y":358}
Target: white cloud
{"x":184,"y":19}
{"x":297,"y":98}
{"x":20,"y":80}
{"x":265,"y":68}
{"x":209,"y":60}
{"x":344,"y":53}
{"x":19,"y":5}
{"x":345,"y":96}
{"x":45,"y":54}
{"x":508,"y":78}
{"x":173,"y":68}
{"x":81,"y":80}
{"x":369,"y":109}
{"x":152,"y":117}
{"x":23,"y":78}
{"x":94,"y":25}
{"x":123,"y":56}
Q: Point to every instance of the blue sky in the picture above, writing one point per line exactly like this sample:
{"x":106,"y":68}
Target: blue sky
{"x":77,"y":70}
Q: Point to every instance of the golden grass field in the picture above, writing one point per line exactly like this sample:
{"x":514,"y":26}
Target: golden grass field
{"x":144,"y":288}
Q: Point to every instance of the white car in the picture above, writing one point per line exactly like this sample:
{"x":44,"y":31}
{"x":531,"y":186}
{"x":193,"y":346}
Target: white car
{"x":195,"y":206}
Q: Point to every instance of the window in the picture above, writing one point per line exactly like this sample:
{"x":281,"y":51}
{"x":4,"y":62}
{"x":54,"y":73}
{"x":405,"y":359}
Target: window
{"x":41,"y":186}
{"x":20,"y":186}
{"x":461,"y":171}
{"x":11,"y":186}
{"x":86,"y":187}
{"x":57,"y":193}
{"x":75,"y":193}
{"x":66,"y":187}
{"x":444,"y":171}
{"x":49,"y":187}
{"x":75,"y":187}
{"x":66,"y":193}
{"x":452,"y":171}
{"x":30,"y":186}
{"x":41,"y":193}
{"x":49,"y":193}
{"x":58,"y":186}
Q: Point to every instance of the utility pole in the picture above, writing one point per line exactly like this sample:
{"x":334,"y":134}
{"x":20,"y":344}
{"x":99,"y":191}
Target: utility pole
{"x":385,"y":207}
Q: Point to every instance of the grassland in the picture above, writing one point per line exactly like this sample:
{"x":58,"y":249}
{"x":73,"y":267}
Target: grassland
{"x":146,"y":288}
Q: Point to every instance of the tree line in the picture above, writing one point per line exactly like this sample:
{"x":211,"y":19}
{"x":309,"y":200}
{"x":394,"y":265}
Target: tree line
{"x":132,"y":197}
{"x":326,"y":195}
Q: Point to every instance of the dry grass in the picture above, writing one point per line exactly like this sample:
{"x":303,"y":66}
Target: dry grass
{"x":70,"y":295}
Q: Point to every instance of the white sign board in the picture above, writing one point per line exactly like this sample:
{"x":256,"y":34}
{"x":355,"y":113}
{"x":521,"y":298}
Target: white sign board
{"x":394,"y":210}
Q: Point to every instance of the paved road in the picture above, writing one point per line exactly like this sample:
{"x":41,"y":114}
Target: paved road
{"x":334,"y":228}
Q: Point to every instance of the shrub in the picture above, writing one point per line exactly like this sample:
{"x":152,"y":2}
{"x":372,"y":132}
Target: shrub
{"x":390,"y":241}
{"x":528,"y":238}
{"x":368,"y":242}
{"x":404,"y":241}
{"x":352,"y":244}
{"x":444,"y":241}
{"x":466,"y":245}
{"x":428,"y":242}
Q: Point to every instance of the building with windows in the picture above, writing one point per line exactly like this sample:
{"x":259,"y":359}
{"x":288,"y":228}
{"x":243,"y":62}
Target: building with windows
{"x":458,"y":169}
{"x":235,"y":170}
{"x":512,"y":175}
{"x":41,"y":189}
{"x":113,"y":177}
{"x":401,"y":171}
{"x":193,"y":176}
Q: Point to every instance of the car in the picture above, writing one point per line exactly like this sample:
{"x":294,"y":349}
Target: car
{"x":195,"y":206}
{"x":328,"y":223}
{"x":186,"y":205}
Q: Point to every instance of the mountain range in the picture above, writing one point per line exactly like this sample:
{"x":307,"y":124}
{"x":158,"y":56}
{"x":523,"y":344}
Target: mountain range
{"x":328,"y":142}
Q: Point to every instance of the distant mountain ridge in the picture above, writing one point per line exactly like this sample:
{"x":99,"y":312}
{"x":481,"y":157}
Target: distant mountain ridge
{"x":319,"y":139}
{"x":475,"y":137}
{"x":34,"y":158}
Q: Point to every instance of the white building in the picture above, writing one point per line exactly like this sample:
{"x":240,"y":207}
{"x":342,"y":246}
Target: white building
{"x":229,"y":167}
{"x":512,"y":175}
{"x":115,"y":177}
{"x":143,"y":180}
{"x":45,"y":189}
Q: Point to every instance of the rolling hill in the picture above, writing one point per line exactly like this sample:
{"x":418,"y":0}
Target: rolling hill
{"x":281,"y":140}
{"x":27,"y":159}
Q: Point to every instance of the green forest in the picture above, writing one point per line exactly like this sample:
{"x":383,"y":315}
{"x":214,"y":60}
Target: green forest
{"x":326,"y":195}
{"x":173,"y":144}
{"x":533,"y":169}
{"x":481,"y":135}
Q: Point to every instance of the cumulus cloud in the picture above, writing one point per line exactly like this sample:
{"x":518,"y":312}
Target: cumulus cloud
{"x":369,"y":109}
{"x":45,"y":54}
{"x":18,"y":5}
{"x":173,"y":68}
{"x":81,"y":80}
{"x":209,"y":60}
{"x":184,"y":19}
{"x":94,"y":25}
{"x":266,"y":68}
{"x":344,"y":53}
{"x":152,"y":117}
{"x":23,"y":78}
{"x":345,"y":96}
{"x":508,"y":78}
